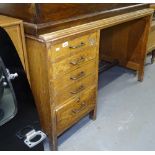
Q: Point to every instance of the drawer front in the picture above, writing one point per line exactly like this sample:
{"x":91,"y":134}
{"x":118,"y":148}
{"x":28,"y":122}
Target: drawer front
{"x":74,"y":89}
{"x":75,"y":109}
{"x":71,"y":63}
{"x":70,"y":47}
{"x":74,"y":76}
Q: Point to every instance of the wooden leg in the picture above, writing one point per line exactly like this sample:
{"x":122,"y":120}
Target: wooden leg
{"x":141,"y":74}
{"x":153,"y":56}
{"x":54,"y":140}
{"x":92,"y":114}
{"x":54,"y":144}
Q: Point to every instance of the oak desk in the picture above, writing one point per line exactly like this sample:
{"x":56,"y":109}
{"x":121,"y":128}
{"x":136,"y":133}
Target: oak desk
{"x":64,"y":45}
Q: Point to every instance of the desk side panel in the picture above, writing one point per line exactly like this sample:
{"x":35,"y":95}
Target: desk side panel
{"x":38,"y":71}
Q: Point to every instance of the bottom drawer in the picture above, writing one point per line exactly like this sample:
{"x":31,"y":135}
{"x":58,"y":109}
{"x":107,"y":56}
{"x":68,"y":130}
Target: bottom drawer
{"x":75,"y":109}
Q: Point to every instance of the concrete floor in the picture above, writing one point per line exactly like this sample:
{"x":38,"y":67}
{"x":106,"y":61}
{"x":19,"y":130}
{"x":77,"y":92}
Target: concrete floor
{"x":125,"y":115}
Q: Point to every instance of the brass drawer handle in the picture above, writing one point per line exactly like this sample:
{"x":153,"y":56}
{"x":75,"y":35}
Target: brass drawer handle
{"x":78,"y":76}
{"x":82,"y":107}
{"x":77,"y":46}
{"x":78,"y":61}
{"x":78,"y":90}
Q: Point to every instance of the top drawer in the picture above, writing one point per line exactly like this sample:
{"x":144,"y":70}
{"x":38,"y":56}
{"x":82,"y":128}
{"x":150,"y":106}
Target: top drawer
{"x":70,"y":47}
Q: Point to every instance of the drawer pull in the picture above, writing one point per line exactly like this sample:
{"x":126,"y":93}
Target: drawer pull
{"x":78,"y":90}
{"x":78,"y":76}
{"x":82,"y":107}
{"x":78,"y":61}
{"x":77,"y":46}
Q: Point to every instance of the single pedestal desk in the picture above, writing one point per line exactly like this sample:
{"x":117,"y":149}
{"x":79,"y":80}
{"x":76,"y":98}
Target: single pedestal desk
{"x":65,"y":43}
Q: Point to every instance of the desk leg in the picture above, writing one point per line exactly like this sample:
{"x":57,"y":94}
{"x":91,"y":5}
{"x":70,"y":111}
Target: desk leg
{"x":54,"y":138}
{"x":141,"y":74}
{"x":92,"y":114}
{"x":54,"y":143}
{"x":50,"y":143}
{"x":143,"y":48}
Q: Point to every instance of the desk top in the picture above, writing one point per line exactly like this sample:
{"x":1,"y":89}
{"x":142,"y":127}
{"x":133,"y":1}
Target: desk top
{"x":8,"y":21}
{"x":43,"y":18}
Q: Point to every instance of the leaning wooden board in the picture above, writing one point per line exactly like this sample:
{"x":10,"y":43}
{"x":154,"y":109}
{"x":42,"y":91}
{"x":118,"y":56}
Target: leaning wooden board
{"x":14,"y":27}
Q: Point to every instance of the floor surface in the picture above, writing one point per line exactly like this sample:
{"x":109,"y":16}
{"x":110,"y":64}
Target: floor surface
{"x":125,"y":115}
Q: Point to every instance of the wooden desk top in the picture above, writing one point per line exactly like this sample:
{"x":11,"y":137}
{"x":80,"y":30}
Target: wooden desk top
{"x":95,"y":25}
{"x":44,"y":18}
{"x":8,"y":21}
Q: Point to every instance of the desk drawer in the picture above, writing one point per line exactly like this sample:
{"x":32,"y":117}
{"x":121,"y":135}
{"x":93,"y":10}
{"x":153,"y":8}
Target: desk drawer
{"x":68,"y":48}
{"x":74,"y":89}
{"x":69,"y":64}
{"x":75,"y":109}
{"x":74,"y":76}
